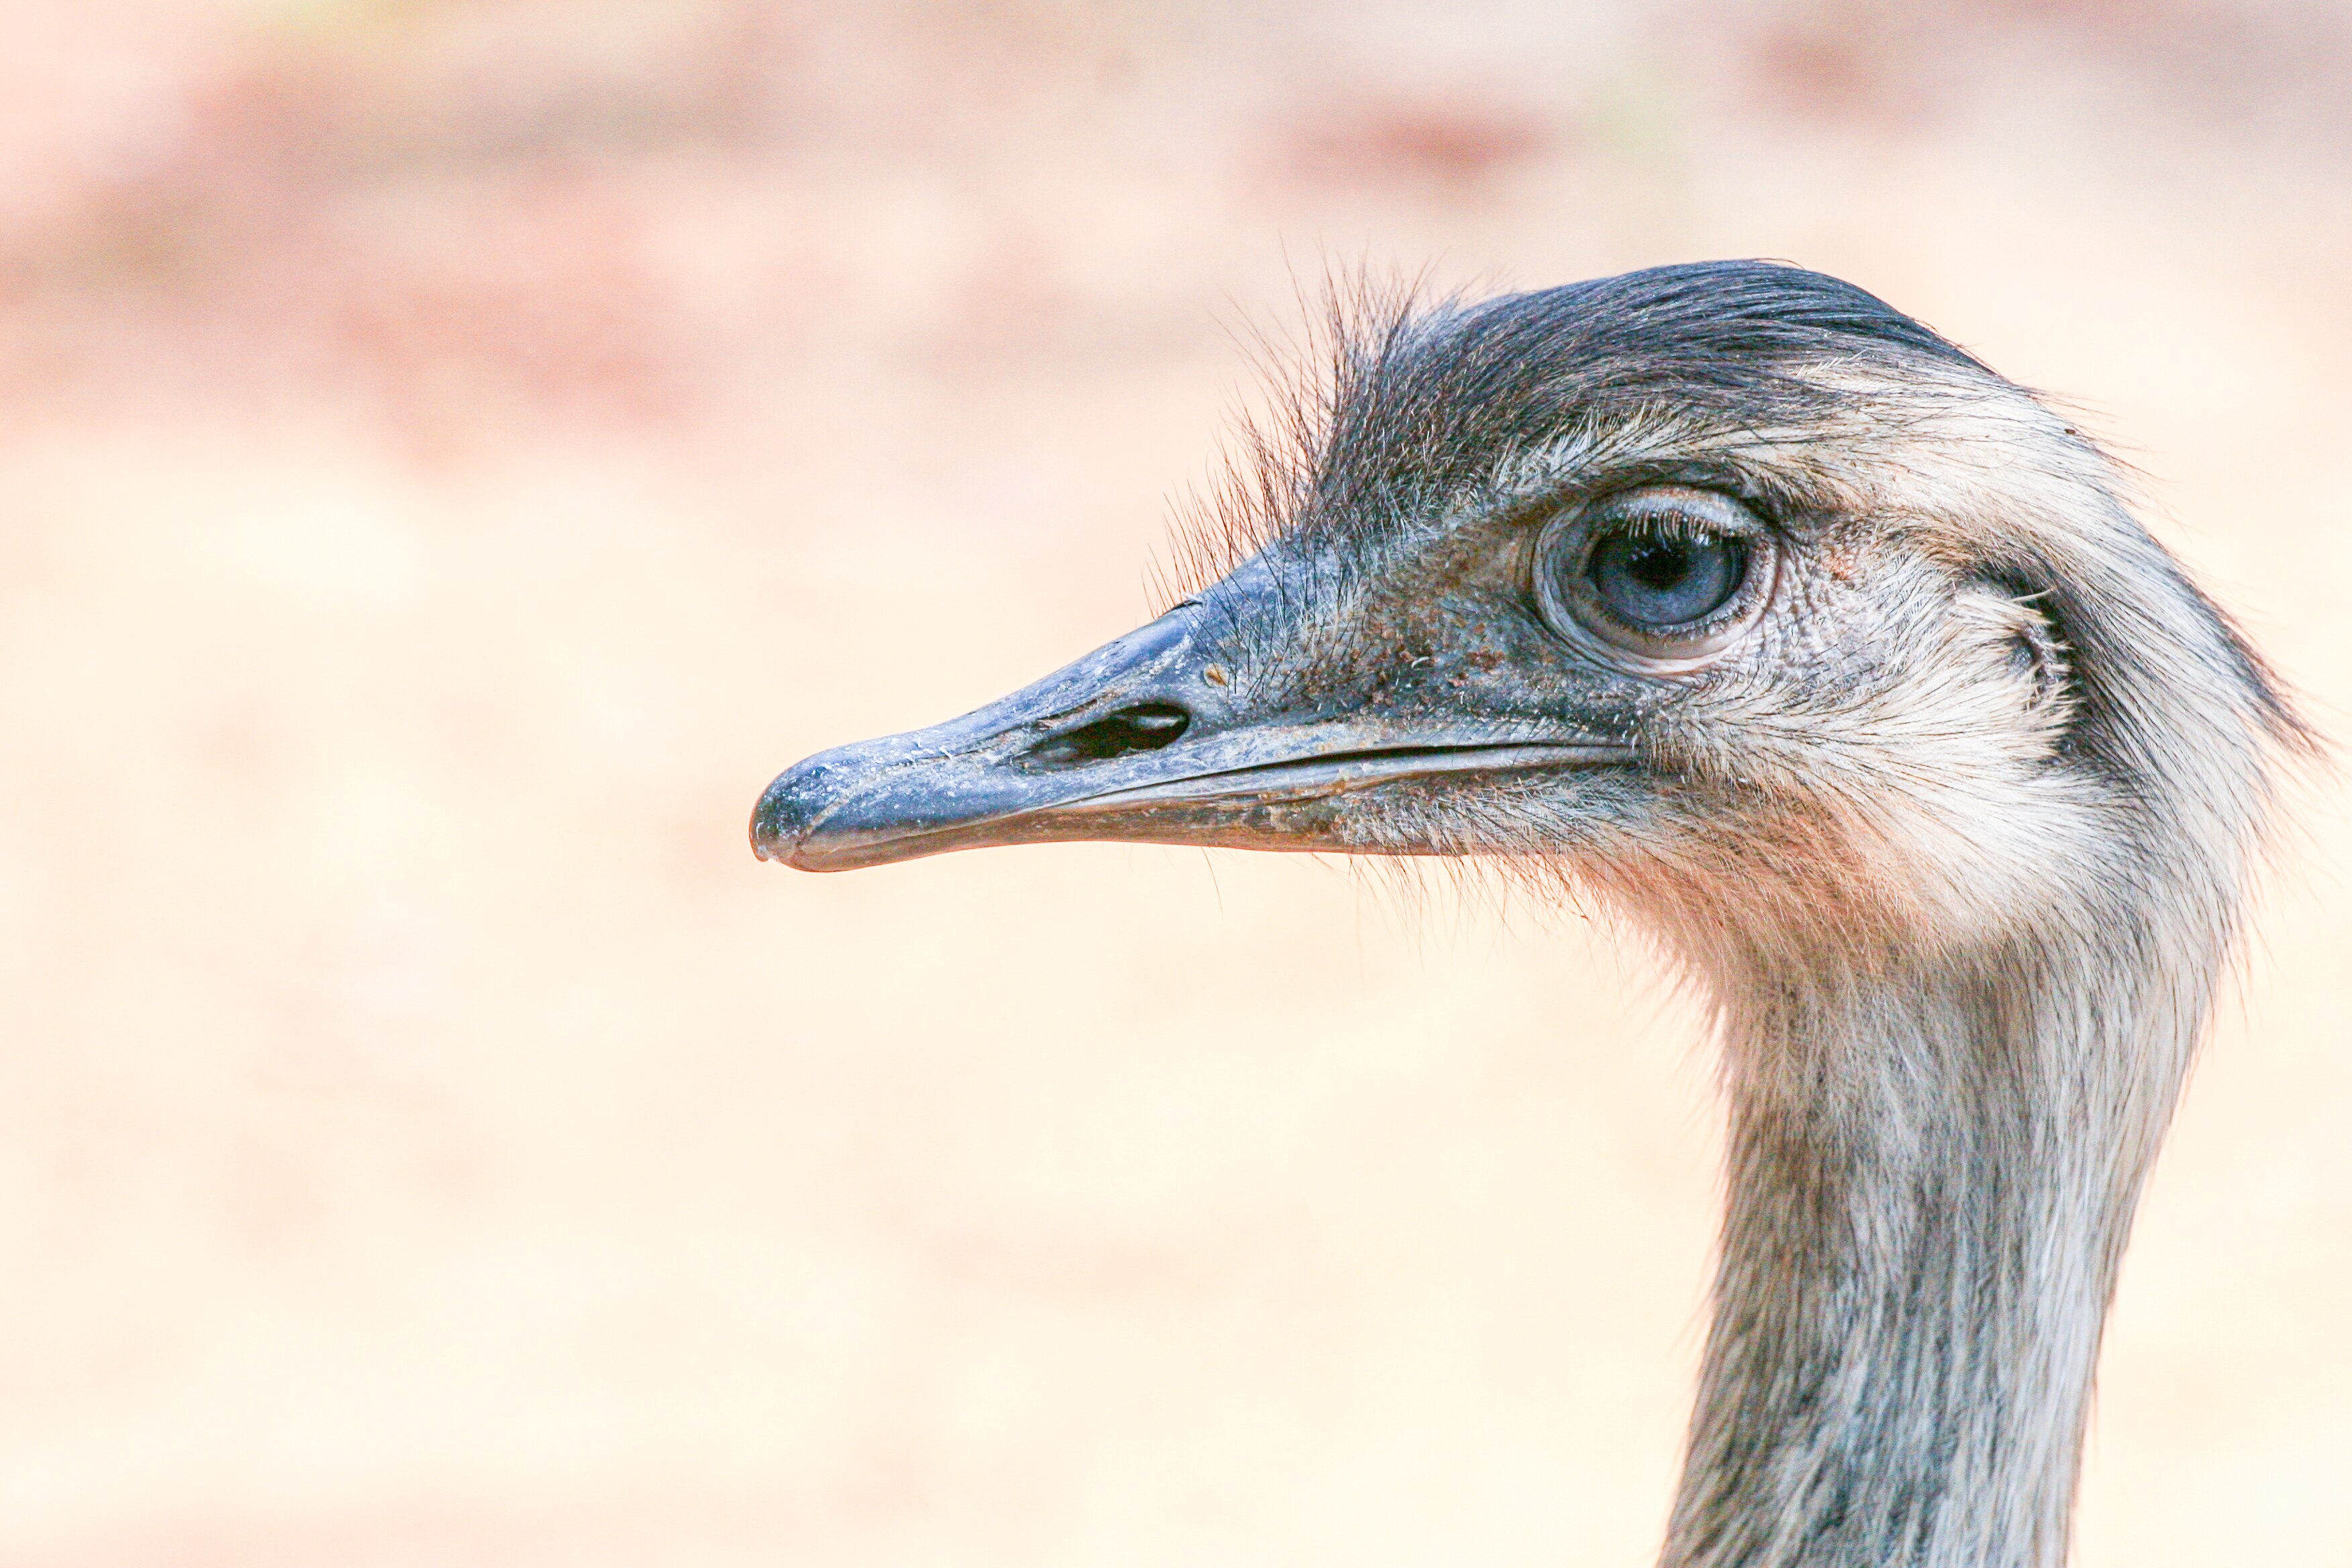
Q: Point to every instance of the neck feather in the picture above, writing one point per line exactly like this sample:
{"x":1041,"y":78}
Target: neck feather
{"x":1932,"y":1172}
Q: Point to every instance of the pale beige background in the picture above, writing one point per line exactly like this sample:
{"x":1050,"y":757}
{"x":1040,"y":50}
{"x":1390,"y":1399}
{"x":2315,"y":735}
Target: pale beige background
{"x":451,"y":455}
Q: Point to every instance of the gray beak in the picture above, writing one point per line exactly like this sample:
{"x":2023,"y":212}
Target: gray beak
{"x":1146,"y":740}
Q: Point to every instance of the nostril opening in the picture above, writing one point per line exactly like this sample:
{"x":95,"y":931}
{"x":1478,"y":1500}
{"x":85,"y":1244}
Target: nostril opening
{"x":1143,"y":727}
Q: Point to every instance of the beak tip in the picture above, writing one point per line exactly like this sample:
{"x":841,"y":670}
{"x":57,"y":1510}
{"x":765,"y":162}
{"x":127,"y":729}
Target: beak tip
{"x":776,"y":825}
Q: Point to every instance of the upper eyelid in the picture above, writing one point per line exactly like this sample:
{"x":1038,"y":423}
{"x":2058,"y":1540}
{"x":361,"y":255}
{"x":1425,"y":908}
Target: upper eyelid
{"x":1536,"y":510}
{"x":1750,"y":522}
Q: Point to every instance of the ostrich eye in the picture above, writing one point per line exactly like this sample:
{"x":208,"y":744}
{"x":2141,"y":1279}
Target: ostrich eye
{"x":1658,"y":581}
{"x":1668,"y":574}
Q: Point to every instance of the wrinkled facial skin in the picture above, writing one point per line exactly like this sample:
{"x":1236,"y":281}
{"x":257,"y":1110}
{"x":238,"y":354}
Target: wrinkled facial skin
{"x":1422,"y":698}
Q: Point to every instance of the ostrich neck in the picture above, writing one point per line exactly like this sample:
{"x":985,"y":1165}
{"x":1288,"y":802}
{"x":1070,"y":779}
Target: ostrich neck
{"x":1931,"y":1177}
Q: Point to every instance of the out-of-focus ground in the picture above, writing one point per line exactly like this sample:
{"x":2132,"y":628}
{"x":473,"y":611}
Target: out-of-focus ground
{"x":452,"y":455}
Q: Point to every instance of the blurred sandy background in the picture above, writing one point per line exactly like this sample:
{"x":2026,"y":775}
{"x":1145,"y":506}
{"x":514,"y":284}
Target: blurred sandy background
{"x":451,"y":455}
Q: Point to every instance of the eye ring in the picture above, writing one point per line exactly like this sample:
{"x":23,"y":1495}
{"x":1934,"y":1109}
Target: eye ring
{"x":1659,"y":579}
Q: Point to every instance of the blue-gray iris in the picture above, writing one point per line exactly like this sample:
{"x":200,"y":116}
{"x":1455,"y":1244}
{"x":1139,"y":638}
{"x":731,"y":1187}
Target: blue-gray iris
{"x":1659,"y":579}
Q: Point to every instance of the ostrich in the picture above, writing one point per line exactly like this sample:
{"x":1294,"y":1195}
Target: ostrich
{"x":1734,"y":599}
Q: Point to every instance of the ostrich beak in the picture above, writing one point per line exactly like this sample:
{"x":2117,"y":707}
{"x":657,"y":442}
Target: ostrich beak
{"x":1145,"y":740}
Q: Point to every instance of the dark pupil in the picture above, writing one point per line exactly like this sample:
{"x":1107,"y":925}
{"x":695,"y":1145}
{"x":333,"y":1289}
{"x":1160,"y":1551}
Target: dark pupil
{"x":1655,"y":582}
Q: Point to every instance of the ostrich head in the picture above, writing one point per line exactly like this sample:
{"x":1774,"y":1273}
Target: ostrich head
{"x":1754,"y":608}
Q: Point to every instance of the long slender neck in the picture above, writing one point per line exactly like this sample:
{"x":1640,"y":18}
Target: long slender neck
{"x":1932,"y":1174}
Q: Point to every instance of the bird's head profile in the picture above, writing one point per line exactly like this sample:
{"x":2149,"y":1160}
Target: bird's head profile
{"x":1751,"y":602}
{"x":1791,"y":630}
